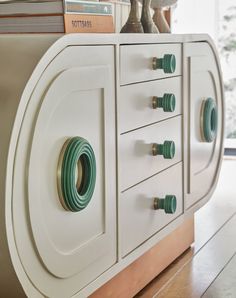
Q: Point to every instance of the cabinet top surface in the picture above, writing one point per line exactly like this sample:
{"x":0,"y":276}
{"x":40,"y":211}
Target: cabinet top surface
{"x":113,"y":39}
{"x":138,"y":38}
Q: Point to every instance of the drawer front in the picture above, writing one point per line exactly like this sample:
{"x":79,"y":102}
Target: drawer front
{"x":149,"y":102}
{"x":137,"y":62}
{"x":137,"y":161}
{"x":139,"y":220}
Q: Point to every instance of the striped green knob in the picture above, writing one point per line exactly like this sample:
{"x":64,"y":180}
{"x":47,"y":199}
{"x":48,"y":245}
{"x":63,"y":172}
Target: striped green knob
{"x":209,"y":120}
{"x":168,"y":204}
{"x":167,"y":63}
{"x":167,"y":102}
{"x":76,"y":174}
{"x":167,"y":149}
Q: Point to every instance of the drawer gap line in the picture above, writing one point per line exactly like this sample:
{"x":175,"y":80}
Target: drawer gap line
{"x":153,"y":123}
{"x":151,"y":80}
{"x":151,"y":176}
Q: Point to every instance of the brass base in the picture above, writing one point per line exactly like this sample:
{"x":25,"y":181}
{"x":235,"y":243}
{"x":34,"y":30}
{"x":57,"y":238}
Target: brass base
{"x":137,"y":275}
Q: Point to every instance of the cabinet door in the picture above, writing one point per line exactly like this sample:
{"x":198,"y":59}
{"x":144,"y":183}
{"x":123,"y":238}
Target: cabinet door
{"x":204,"y":119}
{"x":67,"y":248}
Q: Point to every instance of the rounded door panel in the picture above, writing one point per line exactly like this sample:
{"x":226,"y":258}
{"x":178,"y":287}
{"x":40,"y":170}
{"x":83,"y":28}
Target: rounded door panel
{"x":205,"y":121}
{"x":61,"y":250}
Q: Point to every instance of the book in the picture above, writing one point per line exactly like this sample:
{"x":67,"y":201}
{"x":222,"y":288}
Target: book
{"x":65,"y":23}
{"x":76,"y":16}
{"x":88,"y":7}
{"x":32,"y":24}
{"x":30,"y":7}
{"x":76,"y":23}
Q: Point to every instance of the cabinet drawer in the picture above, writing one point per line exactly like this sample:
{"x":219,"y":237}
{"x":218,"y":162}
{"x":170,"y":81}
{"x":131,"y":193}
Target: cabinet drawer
{"x":136,"y":62}
{"x":139,"y":220}
{"x":139,"y":102}
{"x":136,"y":156}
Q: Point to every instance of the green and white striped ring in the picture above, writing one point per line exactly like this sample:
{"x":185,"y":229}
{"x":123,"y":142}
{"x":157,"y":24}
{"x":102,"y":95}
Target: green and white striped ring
{"x":76,"y":177}
{"x":209,"y":120}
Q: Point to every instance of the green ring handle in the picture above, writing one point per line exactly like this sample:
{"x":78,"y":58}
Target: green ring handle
{"x":76,"y":174}
{"x":168,"y":204}
{"x":167,"y":102}
{"x":167,"y":149}
{"x":167,"y":63}
{"x":209,"y":120}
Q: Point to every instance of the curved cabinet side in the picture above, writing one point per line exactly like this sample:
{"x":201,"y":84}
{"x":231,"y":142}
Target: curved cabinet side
{"x":203,"y":79}
{"x":19,"y":55}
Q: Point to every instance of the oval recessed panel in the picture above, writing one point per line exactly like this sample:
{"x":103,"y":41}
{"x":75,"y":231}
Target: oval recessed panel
{"x":64,"y":238}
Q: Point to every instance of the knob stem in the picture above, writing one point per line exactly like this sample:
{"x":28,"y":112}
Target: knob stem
{"x":157,"y":63}
{"x":167,"y":63}
{"x":167,"y":149}
{"x":168,"y":204}
{"x":167,"y":102}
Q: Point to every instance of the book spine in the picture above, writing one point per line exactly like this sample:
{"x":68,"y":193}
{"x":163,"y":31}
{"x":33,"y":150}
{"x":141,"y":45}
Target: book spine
{"x":30,"y":16}
{"x":88,"y":7}
{"x":88,"y":23}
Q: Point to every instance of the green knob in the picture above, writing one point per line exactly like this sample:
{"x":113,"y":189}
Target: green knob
{"x":76,"y":175}
{"x":167,"y":149}
{"x":167,"y":63}
{"x":209,"y":120}
{"x":167,"y":102}
{"x":168,"y":204}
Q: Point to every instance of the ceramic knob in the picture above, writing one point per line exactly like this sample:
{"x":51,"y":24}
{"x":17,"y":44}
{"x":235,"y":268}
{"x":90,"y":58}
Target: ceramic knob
{"x":209,"y":120}
{"x":168,"y":204}
{"x":167,"y":149}
{"x":167,"y":102}
{"x":167,"y":63}
{"x":76,"y":175}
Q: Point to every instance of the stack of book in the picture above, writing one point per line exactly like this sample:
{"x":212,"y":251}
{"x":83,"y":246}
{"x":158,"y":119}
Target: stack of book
{"x":60,"y":16}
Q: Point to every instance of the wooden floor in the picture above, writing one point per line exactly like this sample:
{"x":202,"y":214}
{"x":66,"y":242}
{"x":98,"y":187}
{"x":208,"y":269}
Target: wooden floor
{"x":208,"y":268}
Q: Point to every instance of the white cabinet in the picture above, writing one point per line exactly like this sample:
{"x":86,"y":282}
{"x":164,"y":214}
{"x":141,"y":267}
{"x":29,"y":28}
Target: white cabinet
{"x":103,"y":152}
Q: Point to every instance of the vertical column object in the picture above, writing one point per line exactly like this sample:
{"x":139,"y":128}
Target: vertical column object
{"x":167,"y":102}
{"x":146,"y":19}
{"x":76,"y":175}
{"x":168,"y":204}
{"x":133,"y":24}
{"x":167,"y":63}
{"x":160,"y":20}
{"x":167,"y":149}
